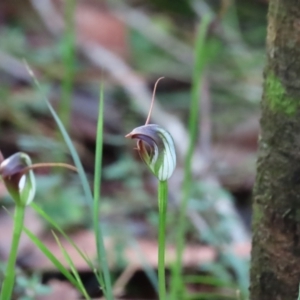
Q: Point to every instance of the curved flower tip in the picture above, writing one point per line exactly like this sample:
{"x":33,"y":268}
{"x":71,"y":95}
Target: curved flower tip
{"x":156,"y":148}
{"x":19,"y":181}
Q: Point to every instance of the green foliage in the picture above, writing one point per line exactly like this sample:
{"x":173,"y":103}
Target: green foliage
{"x":27,"y":287}
{"x":13,"y":40}
{"x":124,"y":168}
{"x":55,"y":196}
{"x":16,"y":108}
{"x":150,"y":59}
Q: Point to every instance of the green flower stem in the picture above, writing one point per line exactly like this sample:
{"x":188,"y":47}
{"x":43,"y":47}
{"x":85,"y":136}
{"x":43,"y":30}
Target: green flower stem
{"x":162,"y":209}
{"x":8,"y":283}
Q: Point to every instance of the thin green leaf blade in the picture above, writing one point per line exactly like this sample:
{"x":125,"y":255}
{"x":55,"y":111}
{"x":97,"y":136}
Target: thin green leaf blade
{"x":101,"y":254}
{"x":46,"y":217}
{"x":51,"y":257}
{"x":72,"y":267}
{"x":84,"y":181}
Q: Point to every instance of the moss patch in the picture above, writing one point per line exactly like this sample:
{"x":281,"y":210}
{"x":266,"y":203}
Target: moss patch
{"x":277,"y":97}
{"x":258,"y":214}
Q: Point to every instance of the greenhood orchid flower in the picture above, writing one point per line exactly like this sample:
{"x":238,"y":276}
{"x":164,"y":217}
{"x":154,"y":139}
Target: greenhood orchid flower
{"x":156,"y":148}
{"x":17,"y":174}
{"x":19,"y":178}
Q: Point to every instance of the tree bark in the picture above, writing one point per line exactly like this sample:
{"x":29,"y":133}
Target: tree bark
{"x":275,"y":263}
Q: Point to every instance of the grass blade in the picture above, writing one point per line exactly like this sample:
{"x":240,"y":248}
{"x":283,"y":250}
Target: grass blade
{"x":72,"y":267}
{"x":45,"y":216}
{"x":68,"y":141}
{"x":52,"y":258}
{"x":97,"y":191}
{"x":88,"y":260}
{"x":176,"y":280}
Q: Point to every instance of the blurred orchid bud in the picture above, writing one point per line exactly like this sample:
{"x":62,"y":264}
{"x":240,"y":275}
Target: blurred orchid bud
{"x":18,"y":178}
{"x":156,"y":148}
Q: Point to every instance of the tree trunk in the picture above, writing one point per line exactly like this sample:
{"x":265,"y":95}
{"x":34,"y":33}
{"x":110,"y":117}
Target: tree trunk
{"x":275,"y":265}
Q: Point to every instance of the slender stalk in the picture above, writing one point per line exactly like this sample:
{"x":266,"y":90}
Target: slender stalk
{"x":176,"y":282}
{"x":8,"y":283}
{"x":49,"y":165}
{"x":162,"y":210}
